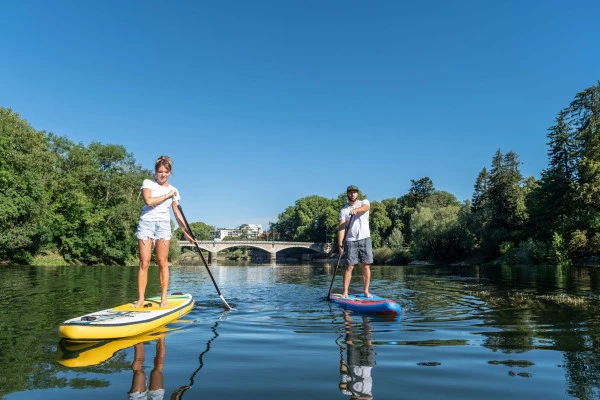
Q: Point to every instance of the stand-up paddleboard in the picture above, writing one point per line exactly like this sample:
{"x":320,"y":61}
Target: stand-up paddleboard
{"x":126,"y":321}
{"x":73,"y":353}
{"x":357,"y":301}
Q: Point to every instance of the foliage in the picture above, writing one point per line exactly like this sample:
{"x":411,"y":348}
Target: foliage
{"x":200,"y":230}
{"x":499,"y":210}
{"x":438,"y":229}
{"x":96,"y":202}
{"x":311,"y":219}
{"x":79,"y":202}
{"x":558,"y":251}
{"x":25,"y":178}
{"x":379,"y":222}
{"x":566,"y":201}
{"x":395,"y":240}
{"x":382,"y":255}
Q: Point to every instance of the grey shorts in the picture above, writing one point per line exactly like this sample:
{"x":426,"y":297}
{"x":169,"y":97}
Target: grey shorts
{"x":359,"y":251}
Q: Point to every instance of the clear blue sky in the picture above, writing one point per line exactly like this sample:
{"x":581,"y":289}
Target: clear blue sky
{"x":261,"y":103}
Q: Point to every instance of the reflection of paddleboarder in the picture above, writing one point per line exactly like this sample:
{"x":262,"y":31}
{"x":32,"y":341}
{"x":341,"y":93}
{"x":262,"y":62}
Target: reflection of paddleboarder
{"x":355,"y":374}
{"x":156,"y":390}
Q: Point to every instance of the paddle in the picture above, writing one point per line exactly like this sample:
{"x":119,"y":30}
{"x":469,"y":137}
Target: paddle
{"x":202,"y":256}
{"x":339,"y":259}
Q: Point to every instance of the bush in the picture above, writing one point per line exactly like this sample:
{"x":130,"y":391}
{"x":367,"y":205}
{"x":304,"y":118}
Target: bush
{"x":382,"y":255}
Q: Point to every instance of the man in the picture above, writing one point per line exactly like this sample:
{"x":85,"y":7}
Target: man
{"x":354,"y":230}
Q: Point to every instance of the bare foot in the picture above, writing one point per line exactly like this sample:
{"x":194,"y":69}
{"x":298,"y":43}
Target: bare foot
{"x":138,"y":303}
{"x":345,"y":295}
{"x":368,"y":295}
{"x":164,"y":303}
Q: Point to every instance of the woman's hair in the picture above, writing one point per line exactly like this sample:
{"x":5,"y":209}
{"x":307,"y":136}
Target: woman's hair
{"x":163,"y":161}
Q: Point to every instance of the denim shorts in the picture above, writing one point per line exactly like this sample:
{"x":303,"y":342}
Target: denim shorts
{"x":360,"y":250}
{"x":154,"y":230}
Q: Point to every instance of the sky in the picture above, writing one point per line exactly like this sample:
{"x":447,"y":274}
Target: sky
{"x":261,"y":103}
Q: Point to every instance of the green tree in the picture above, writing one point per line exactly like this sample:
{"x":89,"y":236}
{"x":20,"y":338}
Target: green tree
{"x":552,"y":201}
{"x":308,"y":220}
{"x":420,"y":190}
{"x":439,"y":229}
{"x":96,"y":202}
{"x":379,"y":222}
{"x":504,"y":213}
{"x":584,"y":114}
{"x":25,"y":174}
{"x":200,"y":230}
{"x":395,"y":240}
{"x":565,"y":203}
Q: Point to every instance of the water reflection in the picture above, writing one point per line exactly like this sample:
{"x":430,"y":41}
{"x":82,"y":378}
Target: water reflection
{"x":75,"y":354}
{"x":178,"y":394}
{"x":155,"y":390}
{"x":355,"y":372}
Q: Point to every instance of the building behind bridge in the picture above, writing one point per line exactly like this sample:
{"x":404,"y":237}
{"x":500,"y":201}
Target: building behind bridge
{"x":245,"y":231}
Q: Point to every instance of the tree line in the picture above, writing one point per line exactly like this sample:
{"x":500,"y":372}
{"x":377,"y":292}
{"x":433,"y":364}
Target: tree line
{"x":510,"y":218}
{"x":82,"y":203}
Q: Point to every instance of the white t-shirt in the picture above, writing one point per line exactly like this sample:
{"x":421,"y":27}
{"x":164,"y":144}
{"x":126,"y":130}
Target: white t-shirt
{"x":359,"y":229}
{"x":159,"y":212}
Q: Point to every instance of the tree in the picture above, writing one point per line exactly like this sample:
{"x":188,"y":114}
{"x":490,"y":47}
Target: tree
{"x":379,"y":222}
{"x":565,"y":203}
{"x":310,"y":219}
{"x":501,"y":211}
{"x":96,"y":202}
{"x":200,"y":230}
{"x":25,"y":176}
{"x":420,"y":190}
{"x":395,"y":240}
{"x":439,"y":230}
{"x":584,"y":114}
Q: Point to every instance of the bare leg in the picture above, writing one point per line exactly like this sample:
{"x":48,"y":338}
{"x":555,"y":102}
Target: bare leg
{"x":145,"y":247}
{"x":162,"y":258}
{"x":156,"y":375}
{"x":366,"y":275}
{"x":347,"y":278}
{"x":138,"y":383}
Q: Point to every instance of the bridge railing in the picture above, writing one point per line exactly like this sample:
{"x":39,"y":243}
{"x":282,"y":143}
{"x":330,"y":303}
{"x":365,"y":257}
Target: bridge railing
{"x":249,"y":242}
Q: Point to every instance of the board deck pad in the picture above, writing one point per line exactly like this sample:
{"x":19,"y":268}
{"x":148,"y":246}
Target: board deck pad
{"x":358,"y":302}
{"x":126,"y":320}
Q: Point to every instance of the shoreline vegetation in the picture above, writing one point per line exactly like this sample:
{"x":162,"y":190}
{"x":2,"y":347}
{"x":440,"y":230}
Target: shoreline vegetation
{"x":69,"y":204}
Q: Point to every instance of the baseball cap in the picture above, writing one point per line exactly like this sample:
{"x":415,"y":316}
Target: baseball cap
{"x":351,"y":187}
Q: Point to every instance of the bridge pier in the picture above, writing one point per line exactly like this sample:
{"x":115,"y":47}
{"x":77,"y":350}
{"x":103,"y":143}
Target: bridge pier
{"x":213,"y":257}
{"x":273,"y":255}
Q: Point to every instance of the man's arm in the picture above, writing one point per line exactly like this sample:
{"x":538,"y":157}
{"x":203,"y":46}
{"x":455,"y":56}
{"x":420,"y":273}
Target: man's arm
{"x":363,"y":208}
{"x":341,"y":231}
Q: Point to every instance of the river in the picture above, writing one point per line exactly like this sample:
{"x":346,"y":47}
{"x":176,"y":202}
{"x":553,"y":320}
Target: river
{"x":464,"y":333}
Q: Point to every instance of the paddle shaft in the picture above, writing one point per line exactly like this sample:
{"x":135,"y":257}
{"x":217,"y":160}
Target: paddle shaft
{"x":339,"y":258}
{"x":202,"y":257}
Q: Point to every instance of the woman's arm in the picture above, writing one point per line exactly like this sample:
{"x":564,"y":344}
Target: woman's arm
{"x":152,"y":201}
{"x":181,"y":223}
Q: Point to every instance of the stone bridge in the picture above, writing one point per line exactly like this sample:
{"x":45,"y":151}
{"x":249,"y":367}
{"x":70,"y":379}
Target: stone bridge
{"x":213,"y":247}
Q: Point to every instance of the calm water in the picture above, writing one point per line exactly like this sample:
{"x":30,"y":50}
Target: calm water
{"x":464,"y":333}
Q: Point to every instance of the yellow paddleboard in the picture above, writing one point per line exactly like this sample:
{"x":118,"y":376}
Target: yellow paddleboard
{"x":126,"y":321}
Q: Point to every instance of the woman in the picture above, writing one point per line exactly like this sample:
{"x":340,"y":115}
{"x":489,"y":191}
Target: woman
{"x":154,"y":228}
